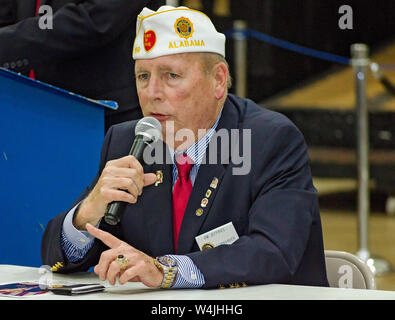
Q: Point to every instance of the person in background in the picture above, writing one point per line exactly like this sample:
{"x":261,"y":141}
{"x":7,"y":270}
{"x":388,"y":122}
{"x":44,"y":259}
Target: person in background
{"x":85,"y":47}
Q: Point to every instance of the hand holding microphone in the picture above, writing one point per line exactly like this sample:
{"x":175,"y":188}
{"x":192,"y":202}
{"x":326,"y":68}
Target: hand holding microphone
{"x":122,"y":180}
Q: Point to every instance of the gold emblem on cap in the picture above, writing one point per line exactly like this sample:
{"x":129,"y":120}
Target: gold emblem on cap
{"x":214,"y":183}
{"x":204,"y":202}
{"x":199,"y":212}
{"x":159,"y":177}
{"x":208,"y":193}
{"x":184,"y":27}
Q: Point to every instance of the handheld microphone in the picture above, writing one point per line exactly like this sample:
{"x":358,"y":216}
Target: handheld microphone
{"x":148,"y":130}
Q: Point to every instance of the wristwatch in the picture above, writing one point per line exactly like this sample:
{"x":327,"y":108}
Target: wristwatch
{"x":169,"y":267}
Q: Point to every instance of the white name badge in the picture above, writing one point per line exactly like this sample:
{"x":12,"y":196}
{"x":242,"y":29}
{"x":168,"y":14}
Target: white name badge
{"x":225,"y":234}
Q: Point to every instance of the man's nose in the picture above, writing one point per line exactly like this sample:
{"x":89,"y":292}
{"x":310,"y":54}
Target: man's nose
{"x":155,"y":88}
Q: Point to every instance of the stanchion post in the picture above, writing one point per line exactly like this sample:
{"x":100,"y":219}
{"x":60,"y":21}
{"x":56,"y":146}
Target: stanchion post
{"x":360,"y":62}
{"x":240,"y":57}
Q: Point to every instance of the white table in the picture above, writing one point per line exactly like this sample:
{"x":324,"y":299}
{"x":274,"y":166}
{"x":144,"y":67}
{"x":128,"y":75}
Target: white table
{"x":137,"y":291}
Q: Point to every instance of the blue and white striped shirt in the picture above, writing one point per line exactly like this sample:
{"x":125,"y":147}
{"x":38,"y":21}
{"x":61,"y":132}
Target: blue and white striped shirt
{"x":76,"y":243}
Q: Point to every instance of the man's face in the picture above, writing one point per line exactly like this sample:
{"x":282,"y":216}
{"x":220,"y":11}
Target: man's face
{"x":176,"y":88}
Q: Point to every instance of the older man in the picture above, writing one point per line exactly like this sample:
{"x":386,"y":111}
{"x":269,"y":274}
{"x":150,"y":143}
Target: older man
{"x":262,"y":224}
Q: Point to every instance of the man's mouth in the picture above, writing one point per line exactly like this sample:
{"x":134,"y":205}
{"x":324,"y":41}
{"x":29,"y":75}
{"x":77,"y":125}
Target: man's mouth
{"x":159,"y":116}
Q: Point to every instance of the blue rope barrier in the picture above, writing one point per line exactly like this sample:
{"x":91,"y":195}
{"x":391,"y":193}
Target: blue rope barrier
{"x":299,"y":49}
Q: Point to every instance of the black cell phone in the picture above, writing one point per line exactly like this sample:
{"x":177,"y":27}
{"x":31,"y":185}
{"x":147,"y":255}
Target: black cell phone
{"x":75,"y":289}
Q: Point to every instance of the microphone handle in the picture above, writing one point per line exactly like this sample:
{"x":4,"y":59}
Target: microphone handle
{"x":115,"y":209}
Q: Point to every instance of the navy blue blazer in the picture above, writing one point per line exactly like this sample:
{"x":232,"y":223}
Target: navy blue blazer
{"x":274,"y":208}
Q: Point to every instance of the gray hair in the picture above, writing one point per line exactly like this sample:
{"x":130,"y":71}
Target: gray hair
{"x":210,"y":59}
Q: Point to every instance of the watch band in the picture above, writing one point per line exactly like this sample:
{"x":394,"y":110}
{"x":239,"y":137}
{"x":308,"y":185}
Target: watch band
{"x":169,"y":272}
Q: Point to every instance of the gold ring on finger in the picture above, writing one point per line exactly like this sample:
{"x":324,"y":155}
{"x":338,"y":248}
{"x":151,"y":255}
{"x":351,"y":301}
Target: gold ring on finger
{"x":122,"y":261}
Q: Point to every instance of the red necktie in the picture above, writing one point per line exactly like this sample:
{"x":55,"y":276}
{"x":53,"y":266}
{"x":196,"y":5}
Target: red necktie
{"x":31,"y":73}
{"x":181,"y":191}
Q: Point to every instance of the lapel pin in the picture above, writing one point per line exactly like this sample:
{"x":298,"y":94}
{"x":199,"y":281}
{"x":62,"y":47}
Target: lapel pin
{"x":159,"y":177}
{"x":207,"y":245}
{"x":199,"y":212}
{"x":208,"y":193}
{"x":214,"y":183}
{"x":204,"y":202}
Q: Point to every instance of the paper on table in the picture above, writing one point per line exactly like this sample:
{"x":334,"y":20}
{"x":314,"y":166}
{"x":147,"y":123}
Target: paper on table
{"x":21,"y":289}
{"x":29,"y":288}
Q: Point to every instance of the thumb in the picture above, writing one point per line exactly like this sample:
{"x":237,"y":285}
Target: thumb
{"x":149,"y":178}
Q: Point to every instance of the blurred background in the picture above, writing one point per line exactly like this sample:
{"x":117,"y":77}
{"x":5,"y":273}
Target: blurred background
{"x":318,"y":93}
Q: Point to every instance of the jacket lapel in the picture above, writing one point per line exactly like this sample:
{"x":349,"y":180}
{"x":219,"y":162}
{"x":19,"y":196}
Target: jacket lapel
{"x":25,"y":9}
{"x":194,"y":220}
{"x":195,"y":214}
{"x":43,"y":2}
{"x":157,"y":206}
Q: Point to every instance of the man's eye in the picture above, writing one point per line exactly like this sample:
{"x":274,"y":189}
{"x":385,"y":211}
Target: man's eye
{"x":173,"y":75}
{"x":143,"y":76}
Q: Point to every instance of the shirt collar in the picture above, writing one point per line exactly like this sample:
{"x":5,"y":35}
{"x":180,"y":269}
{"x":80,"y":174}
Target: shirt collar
{"x":197,"y":150}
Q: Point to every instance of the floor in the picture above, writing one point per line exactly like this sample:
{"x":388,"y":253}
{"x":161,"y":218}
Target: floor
{"x":339,"y":219}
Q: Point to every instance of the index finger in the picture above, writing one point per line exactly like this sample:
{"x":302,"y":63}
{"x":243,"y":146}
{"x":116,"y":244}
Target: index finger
{"x":127,"y":162}
{"x":107,"y":238}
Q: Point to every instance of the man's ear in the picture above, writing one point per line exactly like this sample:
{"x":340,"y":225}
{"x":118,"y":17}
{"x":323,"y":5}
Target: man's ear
{"x":221,"y":74}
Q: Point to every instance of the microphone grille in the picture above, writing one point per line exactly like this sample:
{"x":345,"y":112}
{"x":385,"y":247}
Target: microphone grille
{"x":149,"y":127}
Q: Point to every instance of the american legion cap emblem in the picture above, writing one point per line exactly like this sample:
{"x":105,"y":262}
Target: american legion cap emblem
{"x":184,"y":27}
